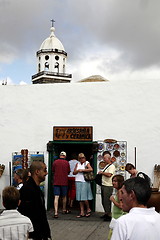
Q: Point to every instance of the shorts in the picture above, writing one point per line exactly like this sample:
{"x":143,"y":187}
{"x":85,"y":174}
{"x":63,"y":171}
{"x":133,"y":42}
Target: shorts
{"x":60,"y":190}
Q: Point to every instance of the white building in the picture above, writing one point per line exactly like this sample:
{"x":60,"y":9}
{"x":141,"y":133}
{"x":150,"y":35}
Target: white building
{"x":122,"y":110}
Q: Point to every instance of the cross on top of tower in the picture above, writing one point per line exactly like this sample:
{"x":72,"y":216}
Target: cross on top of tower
{"x":52,"y":22}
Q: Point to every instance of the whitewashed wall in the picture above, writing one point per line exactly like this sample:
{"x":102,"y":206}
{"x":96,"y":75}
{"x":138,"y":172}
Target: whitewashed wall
{"x":121,"y":110}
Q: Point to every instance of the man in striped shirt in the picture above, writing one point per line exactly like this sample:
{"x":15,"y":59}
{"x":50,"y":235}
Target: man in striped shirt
{"x":13,"y":225}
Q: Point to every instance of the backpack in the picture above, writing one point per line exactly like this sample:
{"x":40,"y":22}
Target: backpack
{"x":145,"y":176}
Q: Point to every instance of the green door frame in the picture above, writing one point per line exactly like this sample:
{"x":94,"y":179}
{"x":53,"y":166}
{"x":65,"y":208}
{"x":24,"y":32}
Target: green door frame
{"x":51,"y":147}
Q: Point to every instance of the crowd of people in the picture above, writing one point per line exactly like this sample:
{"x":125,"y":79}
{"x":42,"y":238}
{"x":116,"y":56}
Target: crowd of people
{"x":125,"y":208}
{"x":69,"y":183}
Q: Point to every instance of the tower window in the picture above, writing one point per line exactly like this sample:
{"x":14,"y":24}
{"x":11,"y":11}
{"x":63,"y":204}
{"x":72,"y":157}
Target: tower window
{"x":56,"y":65}
{"x":46,"y":57}
{"x":39,"y":67}
{"x":46,"y":65}
{"x":57,"y":58}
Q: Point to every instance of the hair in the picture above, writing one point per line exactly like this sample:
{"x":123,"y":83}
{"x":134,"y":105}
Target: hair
{"x":81,"y":155}
{"x":106,"y":152}
{"x":129,"y":166}
{"x":73,"y":156}
{"x":10,"y":197}
{"x":25,"y":175}
{"x":140,"y":187}
{"x":120,"y":180}
{"x":19,"y":172}
{"x":36,"y":165}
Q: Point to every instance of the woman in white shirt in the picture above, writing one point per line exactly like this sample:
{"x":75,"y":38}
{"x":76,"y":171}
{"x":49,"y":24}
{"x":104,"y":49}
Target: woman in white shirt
{"x":83,"y":188}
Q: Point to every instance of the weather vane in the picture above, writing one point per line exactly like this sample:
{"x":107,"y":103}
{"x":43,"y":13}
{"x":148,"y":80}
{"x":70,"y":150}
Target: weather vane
{"x":52,"y":22}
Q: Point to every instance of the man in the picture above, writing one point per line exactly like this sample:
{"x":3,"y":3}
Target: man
{"x":141,"y":222}
{"x":60,"y":169}
{"x":130,"y":168}
{"x":32,"y":201}
{"x":18,"y":178}
{"x":107,"y":187}
{"x":13,"y":225}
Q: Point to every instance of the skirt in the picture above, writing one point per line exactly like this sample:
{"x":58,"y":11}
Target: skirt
{"x":83,"y":191}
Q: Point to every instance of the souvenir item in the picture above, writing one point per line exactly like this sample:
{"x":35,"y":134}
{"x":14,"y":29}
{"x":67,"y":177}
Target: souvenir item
{"x":116,"y":153}
{"x":110,"y":141}
{"x":116,"y":146}
{"x":102,"y":164}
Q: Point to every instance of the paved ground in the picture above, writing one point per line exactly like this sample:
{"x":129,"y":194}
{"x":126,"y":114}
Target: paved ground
{"x":68,"y":227}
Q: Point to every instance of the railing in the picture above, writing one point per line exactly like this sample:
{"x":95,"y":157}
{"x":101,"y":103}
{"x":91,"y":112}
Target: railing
{"x":52,"y":74}
{"x":51,"y":50}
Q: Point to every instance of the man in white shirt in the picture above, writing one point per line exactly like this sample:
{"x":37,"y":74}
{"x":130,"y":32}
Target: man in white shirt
{"x":141,"y":223}
{"x":13,"y":225}
{"x":107,"y":187}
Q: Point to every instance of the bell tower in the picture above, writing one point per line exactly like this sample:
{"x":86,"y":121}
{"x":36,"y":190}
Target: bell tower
{"x":51,"y":61}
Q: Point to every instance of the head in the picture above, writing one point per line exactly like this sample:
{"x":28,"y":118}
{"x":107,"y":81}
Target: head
{"x":18,"y":175}
{"x":117,"y":181}
{"x":81,"y":157}
{"x":26,"y":174}
{"x":130,"y":168}
{"x":38,"y":171}
{"x":74,"y":156}
{"x":107,"y":157}
{"x":135,"y":193}
{"x":63,"y":155}
{"x":10,"y":197}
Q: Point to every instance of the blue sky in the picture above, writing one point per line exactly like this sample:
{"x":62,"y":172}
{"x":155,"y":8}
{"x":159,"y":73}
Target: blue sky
{"x":100,"y":36}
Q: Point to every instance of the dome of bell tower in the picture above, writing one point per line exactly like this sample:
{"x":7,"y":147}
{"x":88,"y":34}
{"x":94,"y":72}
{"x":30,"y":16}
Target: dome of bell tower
{"x":52,"y":42}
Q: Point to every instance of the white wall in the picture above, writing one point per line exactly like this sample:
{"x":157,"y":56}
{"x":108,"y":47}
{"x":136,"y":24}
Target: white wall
{"x":123,"y":110}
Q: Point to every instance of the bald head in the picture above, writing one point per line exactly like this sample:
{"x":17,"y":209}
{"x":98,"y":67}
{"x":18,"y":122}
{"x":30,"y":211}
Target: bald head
{"x":38,"y":171}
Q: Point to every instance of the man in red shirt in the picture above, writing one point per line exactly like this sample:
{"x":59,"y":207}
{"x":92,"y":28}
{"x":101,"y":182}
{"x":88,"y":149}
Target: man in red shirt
{"x":60,"y":169}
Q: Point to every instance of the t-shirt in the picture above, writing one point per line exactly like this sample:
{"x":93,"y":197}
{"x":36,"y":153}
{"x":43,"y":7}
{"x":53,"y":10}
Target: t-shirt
{"x":72,"y":164}
{"x":107,"y":181}
{"x":79,"y":177}
{"x":138,"y":224}
{"x":61,"y":169}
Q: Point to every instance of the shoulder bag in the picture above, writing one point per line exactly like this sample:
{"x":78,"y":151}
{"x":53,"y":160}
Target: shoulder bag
{"x":88,"y":176}
{"x":98,"y":177}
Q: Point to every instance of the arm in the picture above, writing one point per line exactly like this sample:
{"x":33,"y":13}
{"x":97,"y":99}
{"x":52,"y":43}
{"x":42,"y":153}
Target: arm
{"x":106,"y":174}
{"x":88,"y":168}
{"x":119,"y":203}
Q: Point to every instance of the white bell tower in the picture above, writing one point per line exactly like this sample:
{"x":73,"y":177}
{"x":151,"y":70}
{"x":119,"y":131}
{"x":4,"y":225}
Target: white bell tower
{"x":51,"y":61}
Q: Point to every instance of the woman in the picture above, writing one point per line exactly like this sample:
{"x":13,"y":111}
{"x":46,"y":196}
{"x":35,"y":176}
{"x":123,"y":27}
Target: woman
{"x":83,"y":188}
{"x":117,"y":211}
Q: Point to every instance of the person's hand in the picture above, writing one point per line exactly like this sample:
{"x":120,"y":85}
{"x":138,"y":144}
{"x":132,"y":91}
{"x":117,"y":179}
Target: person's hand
{"x":80,"y":170}
{"x":100,"y":172}
{"x":112,"y":198}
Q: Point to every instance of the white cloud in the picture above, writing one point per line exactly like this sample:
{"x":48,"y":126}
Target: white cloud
{"x":101,"y":38}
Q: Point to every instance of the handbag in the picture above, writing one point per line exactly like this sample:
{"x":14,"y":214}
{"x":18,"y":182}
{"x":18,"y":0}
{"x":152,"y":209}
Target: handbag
{"x":98,"y":177}
{"x":88,"y":176}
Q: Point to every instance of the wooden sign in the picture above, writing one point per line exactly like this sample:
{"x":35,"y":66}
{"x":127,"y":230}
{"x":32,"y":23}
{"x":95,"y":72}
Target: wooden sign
{"x":72,"y":133}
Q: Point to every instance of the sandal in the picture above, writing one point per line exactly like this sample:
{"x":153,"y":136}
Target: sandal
{"x":55,"y":215}
{"x":66,"y":211}
{"x":88,"y":214}
{"x":80,"y":216}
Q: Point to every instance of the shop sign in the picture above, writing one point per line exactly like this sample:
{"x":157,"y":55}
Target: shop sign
{"x":72,"y":133}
